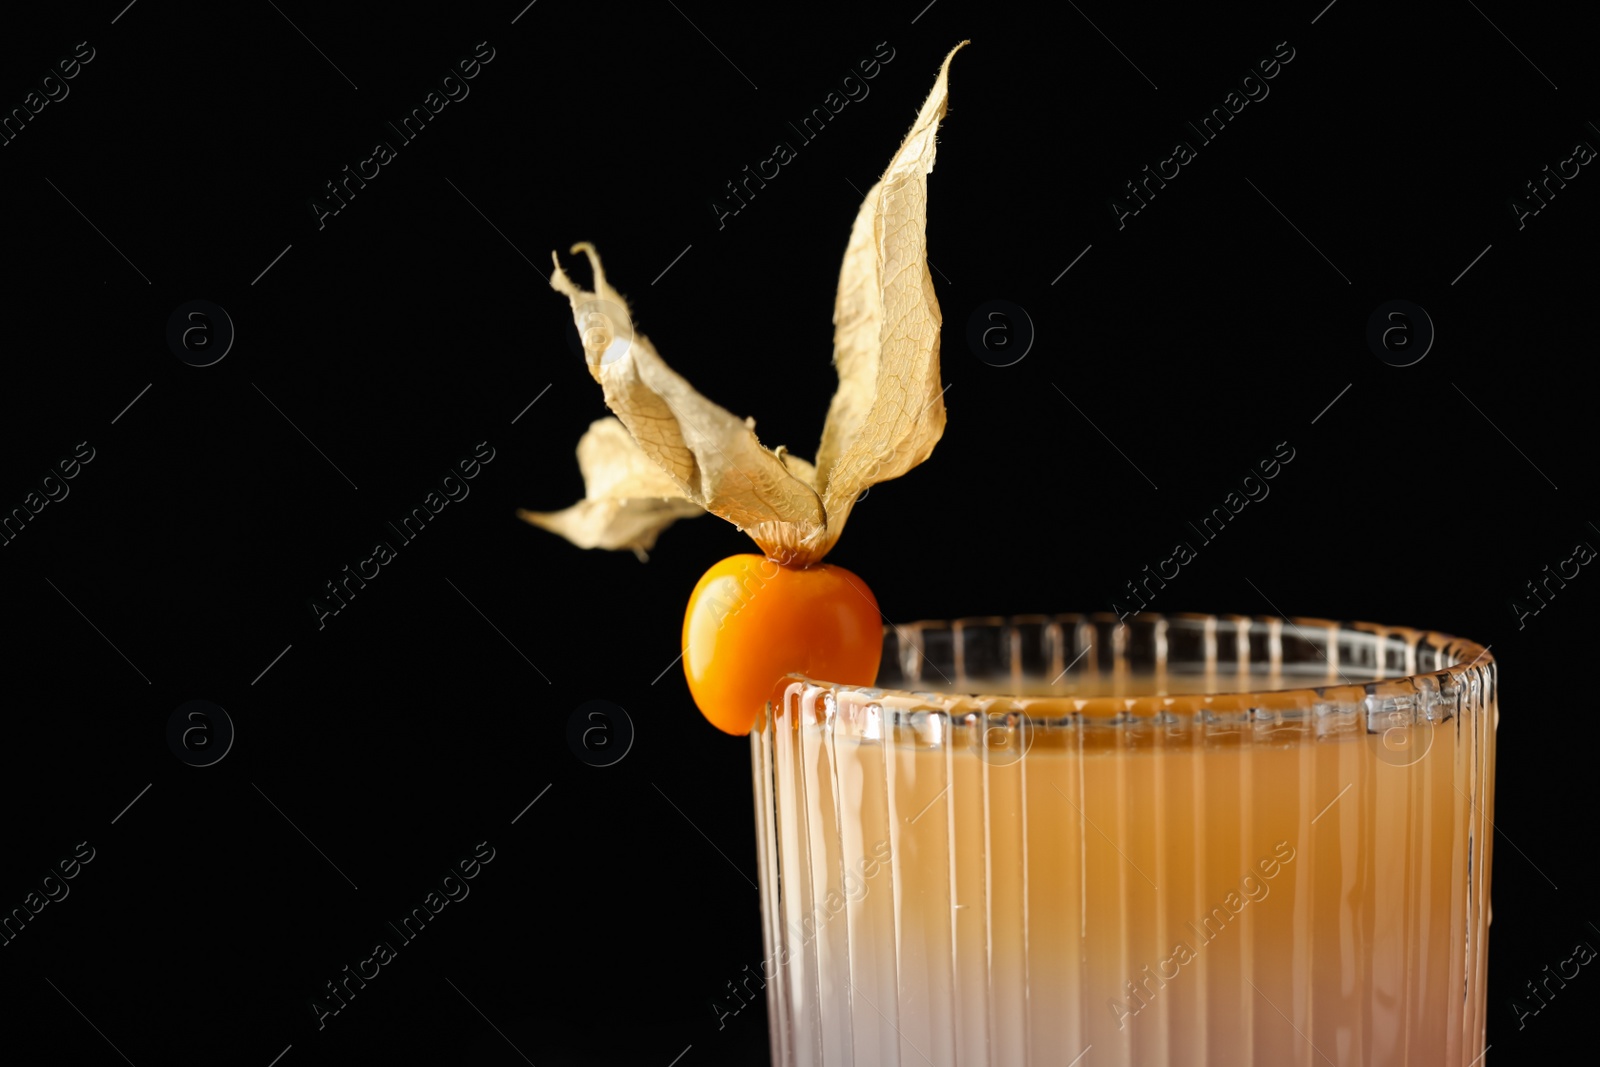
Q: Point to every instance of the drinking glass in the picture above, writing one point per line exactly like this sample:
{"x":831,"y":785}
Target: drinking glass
{"x":1179,"y":840}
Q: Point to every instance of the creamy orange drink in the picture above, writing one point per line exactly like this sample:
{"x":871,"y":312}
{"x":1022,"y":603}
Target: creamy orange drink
{"x":1298,"y":876}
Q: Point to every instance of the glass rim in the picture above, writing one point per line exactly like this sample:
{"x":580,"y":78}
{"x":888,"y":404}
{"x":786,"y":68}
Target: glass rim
{"x":1416,"y":668}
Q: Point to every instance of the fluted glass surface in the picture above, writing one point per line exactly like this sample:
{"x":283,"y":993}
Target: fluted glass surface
{"x":1188,"y":840}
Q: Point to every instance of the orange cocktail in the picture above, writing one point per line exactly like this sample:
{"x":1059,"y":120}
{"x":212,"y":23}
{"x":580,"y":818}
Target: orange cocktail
{"x":1294,"y":874}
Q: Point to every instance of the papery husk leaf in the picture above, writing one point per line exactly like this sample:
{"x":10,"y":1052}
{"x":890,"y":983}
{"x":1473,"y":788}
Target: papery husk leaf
{"x":712,"y":456}
{"x":885,"y":418}
{"x":628,"y":499}
{"x":888,"y":412}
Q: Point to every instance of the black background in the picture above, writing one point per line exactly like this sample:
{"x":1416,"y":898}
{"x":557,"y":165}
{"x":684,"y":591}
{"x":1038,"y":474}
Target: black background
{"x":431,"y":711}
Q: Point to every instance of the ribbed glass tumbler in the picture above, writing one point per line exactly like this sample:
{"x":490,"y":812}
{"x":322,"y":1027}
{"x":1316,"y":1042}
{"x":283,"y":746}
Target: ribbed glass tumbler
{"x":1187,"y":840}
